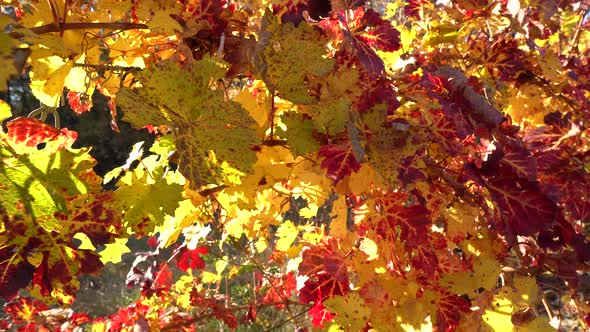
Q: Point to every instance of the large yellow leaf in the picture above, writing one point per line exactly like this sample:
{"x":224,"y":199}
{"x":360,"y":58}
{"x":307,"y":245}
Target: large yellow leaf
{"x":48,"y":77}
{"x":486,"y":269}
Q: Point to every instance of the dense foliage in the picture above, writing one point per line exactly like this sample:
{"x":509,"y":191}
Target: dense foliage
{"x":317,"y":164}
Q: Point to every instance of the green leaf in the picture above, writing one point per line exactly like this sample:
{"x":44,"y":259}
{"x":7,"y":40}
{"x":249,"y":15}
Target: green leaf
{"x":299,"y":133}
{"x":331,"y":116}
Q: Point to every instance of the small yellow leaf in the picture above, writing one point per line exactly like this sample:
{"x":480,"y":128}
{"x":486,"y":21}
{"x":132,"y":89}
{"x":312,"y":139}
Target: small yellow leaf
{"x":100,"y":326}
{"x":35,"y":258}
{"x":114,"y":251}
{"x":310,"y":211}
{"x":86,"y":243}
{"x":287,"y":233}
{"x":209,"y":277}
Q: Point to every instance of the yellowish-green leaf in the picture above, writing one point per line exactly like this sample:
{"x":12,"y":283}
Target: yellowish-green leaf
{"x":288,"y":54}
{"x":209,"y":130}
{"x":299,"y":133}
{"x":351,"y":311}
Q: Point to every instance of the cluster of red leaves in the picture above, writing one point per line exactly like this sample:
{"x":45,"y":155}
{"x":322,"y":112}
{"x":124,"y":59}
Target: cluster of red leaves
{"x":278,"y":290}
{"x":26,"y":315}
{"x":327,"y":276}
{"x":206,"y":304}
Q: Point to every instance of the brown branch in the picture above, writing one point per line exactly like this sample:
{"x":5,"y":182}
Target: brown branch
{"x":478,"y":105}
{"x":192,"y":320}
{"x":53,"y":27}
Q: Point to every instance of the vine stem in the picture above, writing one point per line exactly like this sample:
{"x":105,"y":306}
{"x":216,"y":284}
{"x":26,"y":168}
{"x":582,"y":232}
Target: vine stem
{"x":576,"y":38}
{"x":54,"y":27}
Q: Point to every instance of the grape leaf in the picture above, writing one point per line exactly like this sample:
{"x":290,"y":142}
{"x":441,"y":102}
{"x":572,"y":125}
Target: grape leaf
{"x":351,"y":311}
{"x":287,"y":54}
{"x":146,"y":197}
{"x":450,"y":307}
{"x":47,"y":197}
{"x":203,"y":119}
{"x":5,"y":111}
{"x":8,"y":44}
{"x":338,"y":161}
{"x":299,"y":133}
{"x":523,"y":207}
{"x":326,"y":271}
{"x":483,"y":274}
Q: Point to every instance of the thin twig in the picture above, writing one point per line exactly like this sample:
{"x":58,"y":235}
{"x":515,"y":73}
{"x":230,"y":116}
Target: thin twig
{"x":576,"y":38}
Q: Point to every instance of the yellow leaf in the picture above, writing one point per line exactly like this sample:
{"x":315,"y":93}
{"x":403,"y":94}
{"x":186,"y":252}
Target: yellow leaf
{"x":365,"y":179}
{"x":48,"y":79}
{"x":257,"y":107}
{"x":499,"y":317}
{"x":7,"y":46}
{"x":5,"y":111}
{"x":310,"y":182}
{"x":522,"y":291}
{"x":310,"y":211}
{"x":287,"y":233}
{"x":486,"y":269}
{"x":35,"y":258}
{"x":209,"y":277}
{"x":100,"y":326}
{"x":338,"y":224}
{"x":114,"y":251}
{"x":461,"y":220}
{"x":86,"y":243}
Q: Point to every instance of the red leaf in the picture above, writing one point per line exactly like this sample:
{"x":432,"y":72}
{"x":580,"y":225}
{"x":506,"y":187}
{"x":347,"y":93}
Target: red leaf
{"x":31,"y":132}
{"x":163,"y":277}
{"x":281,"y":289}
{"x":522,"y":205}
{"x":22,"y":313}
{"x":381,"y":35}
{"x":320,"y":315}
{"x":191,"y":258}
{"x":521,"y":161}
{"x":450,"y":308}
{"x":327,"y":274}
{"x":412,"y":9}
{"x":410,"y":223}
{"x":339,"y":161}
